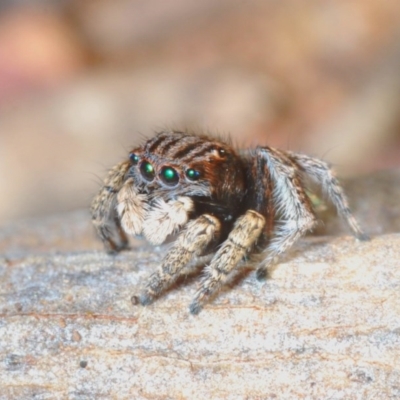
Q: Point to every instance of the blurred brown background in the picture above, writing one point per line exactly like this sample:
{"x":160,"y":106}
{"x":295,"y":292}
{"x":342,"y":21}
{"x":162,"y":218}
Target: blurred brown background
{"x":81,"y":81}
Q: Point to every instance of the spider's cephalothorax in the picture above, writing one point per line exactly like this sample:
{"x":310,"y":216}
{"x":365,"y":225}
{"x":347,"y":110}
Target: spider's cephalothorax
{"x":216,"y":200}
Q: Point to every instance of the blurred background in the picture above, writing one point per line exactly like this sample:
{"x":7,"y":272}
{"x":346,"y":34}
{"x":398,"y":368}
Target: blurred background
{"x":82,"y":81}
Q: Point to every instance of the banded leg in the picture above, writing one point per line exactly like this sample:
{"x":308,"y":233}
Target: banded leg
{"x":244,"y":234}
{"x":190,"y":243}
{"x":293,"y":206}
{"x":322,"y":173}
{"x":103,"y":210}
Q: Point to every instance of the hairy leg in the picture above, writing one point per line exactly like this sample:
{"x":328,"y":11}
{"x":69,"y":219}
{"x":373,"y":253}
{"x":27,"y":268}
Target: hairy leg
{"x":292,"y":205}
{"x":322,"y":173}
{"x":198,"y":234}
{"x":103,"y":209}
{"x":244,"y":234}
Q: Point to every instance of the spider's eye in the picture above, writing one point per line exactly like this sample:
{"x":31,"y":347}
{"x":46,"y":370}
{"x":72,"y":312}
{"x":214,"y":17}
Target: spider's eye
{"x":219,"y":152}
{"x":134,"y":158}
{"x":169,"y":176}
{"x":192,"y":174}
{"x":147,"y":170}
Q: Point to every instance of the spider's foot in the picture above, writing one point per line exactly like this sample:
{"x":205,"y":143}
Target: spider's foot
{"x":195,"y":307}
{"x":363,"y":237}
{"x":197,"y":304}
{"x":207,"y":289}
{"x":145,"y":298}
{"x":113,"y":249}
{"x":116,"y":251}
{"x":262,"y":274}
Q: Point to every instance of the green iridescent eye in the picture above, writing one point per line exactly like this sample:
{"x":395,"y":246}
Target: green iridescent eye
{"x":134,"y":158}
{"x":192,"y":174}
{"x":169,"y":176}
{"x":147,"y":170}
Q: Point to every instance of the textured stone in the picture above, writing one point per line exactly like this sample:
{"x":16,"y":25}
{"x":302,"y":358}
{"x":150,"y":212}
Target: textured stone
{"x":326,"y":324}
{"x":374,"y":199}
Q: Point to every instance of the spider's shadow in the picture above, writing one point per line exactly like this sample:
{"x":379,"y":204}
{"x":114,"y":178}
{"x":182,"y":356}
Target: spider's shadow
{"x":192,"y":275}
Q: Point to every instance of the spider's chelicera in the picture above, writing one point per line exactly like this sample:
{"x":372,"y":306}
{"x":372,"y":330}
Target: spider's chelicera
{"x":218,"y":201}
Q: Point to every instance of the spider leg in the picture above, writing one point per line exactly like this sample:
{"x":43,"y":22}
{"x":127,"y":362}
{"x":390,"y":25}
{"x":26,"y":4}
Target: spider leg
{"x":292,"y":205}
{"x":322,"y":173}
{"x":244,"y":234}
{"x":190,"y":243}
{"x":104,"y":215}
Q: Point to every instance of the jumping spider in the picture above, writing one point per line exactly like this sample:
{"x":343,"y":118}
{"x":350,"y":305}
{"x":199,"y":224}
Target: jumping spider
{"x":218,"y":200}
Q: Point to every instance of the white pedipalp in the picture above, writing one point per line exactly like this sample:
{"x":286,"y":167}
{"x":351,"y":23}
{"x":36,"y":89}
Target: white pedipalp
{"x":166,"y":217}
{"x":132,"y":208}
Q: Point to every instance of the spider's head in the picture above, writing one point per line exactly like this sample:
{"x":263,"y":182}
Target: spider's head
{"x":176,"y":163}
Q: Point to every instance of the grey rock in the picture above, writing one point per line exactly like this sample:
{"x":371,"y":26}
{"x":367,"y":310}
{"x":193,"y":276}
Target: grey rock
{"x":325,"y":324}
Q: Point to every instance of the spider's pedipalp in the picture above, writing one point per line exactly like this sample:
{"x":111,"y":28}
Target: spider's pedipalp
{"x":244,"y":234}
{"x":198,"y":234}
{"x":103,"y":210}
{"x":166,"y":217}
{"x":291,"y":202}
{"x":132,"y":208}
{"x":322,"y":173}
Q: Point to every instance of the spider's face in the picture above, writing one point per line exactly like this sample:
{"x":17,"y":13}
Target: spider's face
{"x":173,"y":164}
{"x":175,"y":177}
{"x":160,"y":176}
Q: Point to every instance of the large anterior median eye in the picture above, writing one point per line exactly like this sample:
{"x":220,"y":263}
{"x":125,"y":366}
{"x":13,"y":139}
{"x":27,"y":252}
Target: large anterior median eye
{"x":147,"y":170}
{"x":169,"y":176}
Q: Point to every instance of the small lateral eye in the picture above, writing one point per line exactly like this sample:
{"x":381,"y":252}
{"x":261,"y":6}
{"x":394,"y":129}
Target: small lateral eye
{"x":219,"y":152}
{"x":147,"y":170}
{"x":192,"y":174}
{"x":169,"y":176}
{"x":134,"y":158}
{"x":222,"y":152}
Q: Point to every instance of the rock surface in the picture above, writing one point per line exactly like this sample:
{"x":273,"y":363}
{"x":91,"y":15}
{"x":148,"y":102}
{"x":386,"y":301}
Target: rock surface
{"x":326,"y":324}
